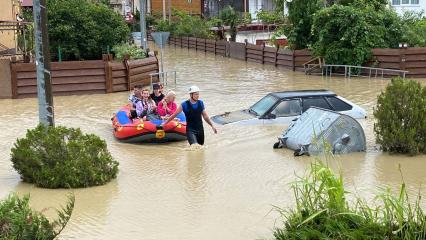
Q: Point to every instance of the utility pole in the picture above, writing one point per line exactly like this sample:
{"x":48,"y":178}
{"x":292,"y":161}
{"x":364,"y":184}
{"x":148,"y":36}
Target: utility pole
{"x":42,"y":60}
{"x":170,"y":10}
{"x":164,"y":10}
{"x":144,"y":42}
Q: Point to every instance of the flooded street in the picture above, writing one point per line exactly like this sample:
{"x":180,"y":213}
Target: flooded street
{"x":226,"y":190}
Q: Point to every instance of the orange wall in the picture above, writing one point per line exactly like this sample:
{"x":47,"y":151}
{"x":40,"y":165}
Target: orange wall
{"x":182,"y":5}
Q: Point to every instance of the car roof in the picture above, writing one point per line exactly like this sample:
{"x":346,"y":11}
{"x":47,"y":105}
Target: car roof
{"x":303,"y":93}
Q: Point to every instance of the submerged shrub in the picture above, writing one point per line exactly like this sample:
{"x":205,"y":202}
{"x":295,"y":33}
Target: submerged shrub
{"x":322,"y":212}
{"x":60,"y":157}
{"x":19,"y":221}
{"x":401,"y":117}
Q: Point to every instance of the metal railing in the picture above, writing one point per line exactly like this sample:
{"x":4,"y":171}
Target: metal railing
{"x":164,"y":77}
{"x":372,"y":71}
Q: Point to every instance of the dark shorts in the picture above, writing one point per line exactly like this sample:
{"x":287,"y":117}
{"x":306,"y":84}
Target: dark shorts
{"x":195,"y":136}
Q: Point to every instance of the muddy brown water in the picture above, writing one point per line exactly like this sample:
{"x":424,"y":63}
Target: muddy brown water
{"x":226,"y":190}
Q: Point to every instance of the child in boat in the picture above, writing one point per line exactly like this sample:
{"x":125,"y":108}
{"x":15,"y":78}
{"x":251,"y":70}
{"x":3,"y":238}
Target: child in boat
{"x":134,"y":97}
{"x":146,"y":107}
{"x":167,"y":106}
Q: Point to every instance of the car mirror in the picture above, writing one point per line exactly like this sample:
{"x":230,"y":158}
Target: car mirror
{"x":269,"y":116}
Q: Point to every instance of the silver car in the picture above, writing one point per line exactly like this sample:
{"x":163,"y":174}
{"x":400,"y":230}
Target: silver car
{"x":284,"y":107}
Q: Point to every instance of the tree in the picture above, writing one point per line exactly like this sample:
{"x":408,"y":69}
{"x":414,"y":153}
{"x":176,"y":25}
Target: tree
{"x":346,"y":34}
{"x":230,"y":18}
{"x":83,"y":29}
{"x":301,"y":16}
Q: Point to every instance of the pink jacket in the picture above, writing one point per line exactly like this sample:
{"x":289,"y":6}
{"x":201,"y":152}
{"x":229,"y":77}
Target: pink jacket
{"x":162,"y":110}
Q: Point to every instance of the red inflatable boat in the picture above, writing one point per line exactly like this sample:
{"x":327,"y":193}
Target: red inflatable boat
{"x":139,"y":131}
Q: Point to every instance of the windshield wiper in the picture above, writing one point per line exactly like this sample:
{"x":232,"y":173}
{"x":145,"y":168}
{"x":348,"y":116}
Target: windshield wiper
{"x":253,"y":112}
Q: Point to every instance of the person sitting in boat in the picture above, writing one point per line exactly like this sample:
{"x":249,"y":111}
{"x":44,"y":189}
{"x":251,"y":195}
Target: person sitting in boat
{"x":167,"y":106}
{"x":156,"y":94}
{"x":146,"y":107}
{"x":133,"y":99}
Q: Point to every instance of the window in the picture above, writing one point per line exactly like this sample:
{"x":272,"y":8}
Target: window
{"x":396,"y":2}
{"x":415,"y":2}
{"x":338,"y":104}
{"x":287,"y":108}
{"x":405,"y":1}
{"x":264,"y":105}
{"x":315,"y":102}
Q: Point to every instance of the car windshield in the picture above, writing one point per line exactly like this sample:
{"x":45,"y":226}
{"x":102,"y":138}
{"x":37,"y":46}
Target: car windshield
{"x":263,"y":105}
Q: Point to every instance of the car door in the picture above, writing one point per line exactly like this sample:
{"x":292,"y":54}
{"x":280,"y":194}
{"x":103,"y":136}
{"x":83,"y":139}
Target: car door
{"x":284,"y":112}
{"x":317,"y":101}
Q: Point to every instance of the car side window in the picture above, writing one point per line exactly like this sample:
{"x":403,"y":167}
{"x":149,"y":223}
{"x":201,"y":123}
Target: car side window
{"x":338,"y":104}
{"x":287,"y":108}
{"x":315,"y":102}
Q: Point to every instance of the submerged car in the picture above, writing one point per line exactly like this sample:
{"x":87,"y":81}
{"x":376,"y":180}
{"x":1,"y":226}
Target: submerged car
{"x":284,"y":107}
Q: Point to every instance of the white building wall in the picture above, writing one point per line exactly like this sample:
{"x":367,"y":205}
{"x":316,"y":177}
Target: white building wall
{"x":408,"y":5}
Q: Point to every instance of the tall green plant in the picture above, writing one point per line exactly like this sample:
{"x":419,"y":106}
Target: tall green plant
{"x":400,"y":115}
{"x":322,"y":212}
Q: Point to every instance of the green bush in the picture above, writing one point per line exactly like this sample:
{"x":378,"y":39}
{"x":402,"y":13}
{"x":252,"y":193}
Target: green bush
{"x":84,"y":29}
{"x":346,"y":34}
{"x":270,"y":17}
{"x":60,"y":157}
{"x":191,"y":26}
{"x":18,"y":221}
{"x":133,"y":51}
{"x":401,"y":117}
{"x":323,"y":212}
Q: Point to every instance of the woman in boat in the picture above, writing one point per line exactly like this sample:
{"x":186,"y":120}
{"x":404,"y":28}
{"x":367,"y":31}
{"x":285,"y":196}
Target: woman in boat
{"x":167,"y":106}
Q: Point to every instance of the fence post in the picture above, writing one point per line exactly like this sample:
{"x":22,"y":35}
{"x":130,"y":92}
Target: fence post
{"x":263,"y":53}
{"x":402,"y":58}
{"x":276,"y":57}
{"x":245,"y":53}
{"x":14,"y":80}
{"x":108,"y":75}
{"x":293,"y":61}
{"x":215,"y":41}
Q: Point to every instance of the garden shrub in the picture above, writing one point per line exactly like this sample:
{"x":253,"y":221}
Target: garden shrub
{"x":84,"y":29}
{"x":60,"y":157}
{"x":19,"y":221}
{"x":401,"y":117}
{"x":133,"y":51}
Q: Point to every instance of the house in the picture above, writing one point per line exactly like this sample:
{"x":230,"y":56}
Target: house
{"x":8,"y":18}
{"x":401,"y":6}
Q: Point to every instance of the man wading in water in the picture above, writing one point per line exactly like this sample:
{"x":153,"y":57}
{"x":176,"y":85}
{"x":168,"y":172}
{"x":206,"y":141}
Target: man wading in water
{"x":193,"y":109}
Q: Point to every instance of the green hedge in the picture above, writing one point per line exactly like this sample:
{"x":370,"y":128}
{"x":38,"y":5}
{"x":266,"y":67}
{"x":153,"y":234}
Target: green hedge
{"x":401,"y":117}
{"x":60,"y":157}
{"x":18,"y":221}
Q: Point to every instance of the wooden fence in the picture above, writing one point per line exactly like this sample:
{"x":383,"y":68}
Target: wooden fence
{"x":412,"y":60}
{"x":84,"y":77}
